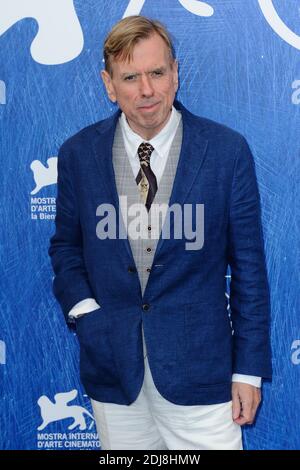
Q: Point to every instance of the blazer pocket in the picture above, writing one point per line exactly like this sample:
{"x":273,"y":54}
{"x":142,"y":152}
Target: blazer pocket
{"x":87,"y":313}
{"x":90,"y":323}
{"x":97,"y":362}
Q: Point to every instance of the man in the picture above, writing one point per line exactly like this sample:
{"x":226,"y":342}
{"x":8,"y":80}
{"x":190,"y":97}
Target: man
{"x":159,"y":357}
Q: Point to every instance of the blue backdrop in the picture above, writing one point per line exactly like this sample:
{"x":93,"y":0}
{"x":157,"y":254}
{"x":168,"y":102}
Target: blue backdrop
{"x":240,"y":65}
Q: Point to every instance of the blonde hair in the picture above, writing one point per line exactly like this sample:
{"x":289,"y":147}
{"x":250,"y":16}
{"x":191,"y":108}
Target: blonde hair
{"x":126,"y":33}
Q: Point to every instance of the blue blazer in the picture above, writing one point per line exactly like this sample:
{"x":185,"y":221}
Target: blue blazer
{"x":193,"y":347}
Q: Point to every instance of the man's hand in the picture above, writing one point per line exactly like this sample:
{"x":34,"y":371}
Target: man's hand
{"x":245,"y":401}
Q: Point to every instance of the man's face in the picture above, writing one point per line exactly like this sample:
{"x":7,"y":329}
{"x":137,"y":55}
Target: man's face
{"x":145,"y":87}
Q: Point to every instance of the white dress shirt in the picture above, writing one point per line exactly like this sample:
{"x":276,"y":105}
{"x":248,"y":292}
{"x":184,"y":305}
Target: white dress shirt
{"x":162,"y":143}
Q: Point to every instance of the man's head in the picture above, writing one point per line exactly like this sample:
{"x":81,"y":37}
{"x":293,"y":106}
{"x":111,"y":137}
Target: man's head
{"x":141,"y":73}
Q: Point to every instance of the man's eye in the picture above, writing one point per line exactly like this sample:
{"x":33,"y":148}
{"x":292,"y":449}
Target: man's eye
{"x":130,"y":78}
{"x":157,"y":73}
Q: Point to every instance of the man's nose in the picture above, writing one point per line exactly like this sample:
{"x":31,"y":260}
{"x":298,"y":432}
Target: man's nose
{"x":146,"y":87}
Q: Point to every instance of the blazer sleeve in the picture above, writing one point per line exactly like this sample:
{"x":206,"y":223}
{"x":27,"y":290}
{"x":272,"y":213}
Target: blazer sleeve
{"x":71,"y":283}
{"x":249,"y":289}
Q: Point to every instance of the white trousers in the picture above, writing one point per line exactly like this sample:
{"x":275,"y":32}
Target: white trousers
{"x":154,"y":423}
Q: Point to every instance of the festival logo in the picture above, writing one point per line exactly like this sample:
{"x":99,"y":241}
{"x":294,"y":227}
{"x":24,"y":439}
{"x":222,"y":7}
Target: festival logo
{"x":44,"y":175}
{"x":60,"y":409}
{"x":277,"y":24}
{"x":79,"y":434}
{"x":193,"y":6}
{"x":59,"y":38}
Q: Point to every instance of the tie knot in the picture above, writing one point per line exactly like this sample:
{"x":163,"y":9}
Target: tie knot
{"x":144,"y":152}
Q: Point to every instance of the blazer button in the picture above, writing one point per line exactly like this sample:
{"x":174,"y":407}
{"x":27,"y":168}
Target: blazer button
{"x":146,"y":307}
{"x":131,"y":269}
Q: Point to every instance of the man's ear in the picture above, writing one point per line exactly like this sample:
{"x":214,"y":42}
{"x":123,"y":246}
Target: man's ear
{"x":110,"y":89}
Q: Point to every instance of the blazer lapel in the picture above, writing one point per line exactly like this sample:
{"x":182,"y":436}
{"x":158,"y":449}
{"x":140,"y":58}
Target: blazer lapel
{"x":103,"y":157}
{"x":106,"y":176}
{"x":192,"y":156}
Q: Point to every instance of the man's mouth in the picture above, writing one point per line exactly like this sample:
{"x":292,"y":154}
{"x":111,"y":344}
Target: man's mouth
{"x":148,"y":107}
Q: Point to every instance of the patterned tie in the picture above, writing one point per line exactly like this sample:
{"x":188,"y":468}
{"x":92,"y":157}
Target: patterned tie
{"x":146,"y":179}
